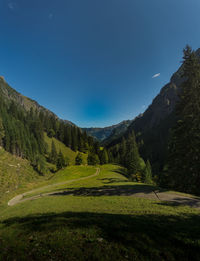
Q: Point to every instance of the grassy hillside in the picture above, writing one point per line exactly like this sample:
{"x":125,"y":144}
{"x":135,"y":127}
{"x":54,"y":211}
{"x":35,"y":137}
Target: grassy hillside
{"x":58,"y":180}
{"x":99,"y":219}
{"x":67,"y":152}
{"x":17,"y":173}
{"x":14,"y":172}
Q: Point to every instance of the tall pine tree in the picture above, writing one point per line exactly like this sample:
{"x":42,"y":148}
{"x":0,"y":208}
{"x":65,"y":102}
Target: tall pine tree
{"x":53,"y":155}
{"x":184,"y":147}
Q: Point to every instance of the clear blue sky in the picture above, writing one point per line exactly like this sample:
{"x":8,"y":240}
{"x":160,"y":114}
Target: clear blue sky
{"x":92,"y":61}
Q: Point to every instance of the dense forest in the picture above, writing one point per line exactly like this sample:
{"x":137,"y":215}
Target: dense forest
{"x":22,"y":134}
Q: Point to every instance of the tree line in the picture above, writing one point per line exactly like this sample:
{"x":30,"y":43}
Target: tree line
{"x":22,"y":134}
{"x":182,"y":168}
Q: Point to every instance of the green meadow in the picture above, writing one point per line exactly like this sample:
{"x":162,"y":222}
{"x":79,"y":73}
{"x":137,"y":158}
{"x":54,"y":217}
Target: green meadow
{"x":67,"y":152}
{"x":98,"y":219}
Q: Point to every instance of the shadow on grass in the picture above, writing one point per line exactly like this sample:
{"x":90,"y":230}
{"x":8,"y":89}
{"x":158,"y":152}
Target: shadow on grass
{"x":122,"y":171}
{"x":121,"y":190}
{"x":112,"y":180}
{"x":177,"y":201}
{"x":126,"y":237}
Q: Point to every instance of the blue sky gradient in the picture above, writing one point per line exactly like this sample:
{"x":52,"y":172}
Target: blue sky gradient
{"x":92,"y":62}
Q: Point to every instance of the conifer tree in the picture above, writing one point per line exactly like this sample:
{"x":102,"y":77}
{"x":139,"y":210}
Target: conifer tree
{"x":68,"y":136}
{"x":148,"y":173}
{"x":40,"y":164}
{"x":79,"y":159}
{"x":132,"y":158}
{"x":104,"y":157}
{"x":184,"y":147}
{"x":51,"y":133}
{"x":60,"y":161}
{"x":93,"y":159}
{"x":74,"y":139}
{"x":2,"y":133}
{"x":123,"y":151}
{"x":53,"y":154}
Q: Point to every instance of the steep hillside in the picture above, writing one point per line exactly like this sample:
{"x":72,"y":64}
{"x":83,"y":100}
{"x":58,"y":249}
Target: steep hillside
{"x":11,"y":94}
{"x":152,"y":127}
{"x":14,"y":172}
{"x":163,"y":105}
{"x":27,"y":130}
{"x":69,"y":154}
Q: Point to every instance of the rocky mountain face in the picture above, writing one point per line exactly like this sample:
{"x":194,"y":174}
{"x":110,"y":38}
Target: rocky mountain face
{"x":161,"y":108}
{"x":102,"y":134}
{"x":163,"y":105}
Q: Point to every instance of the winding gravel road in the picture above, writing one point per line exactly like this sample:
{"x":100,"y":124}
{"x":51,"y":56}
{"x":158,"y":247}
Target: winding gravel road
{"x":20,"y":198}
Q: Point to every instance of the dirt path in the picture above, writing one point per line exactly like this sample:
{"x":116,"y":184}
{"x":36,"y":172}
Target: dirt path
{"x":141,"y":191}
{"x":20,"y":198}
{"x":176,"y":199}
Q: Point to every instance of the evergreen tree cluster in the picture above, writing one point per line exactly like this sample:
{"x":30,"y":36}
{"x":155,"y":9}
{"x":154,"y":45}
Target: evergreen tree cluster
{"x":22,"y":134}
{"x":183,"y":166}
{"x":70,"y":135}
{"x":97,"y":155}
{"x":57,"y":158}
{"x":126,"y":153}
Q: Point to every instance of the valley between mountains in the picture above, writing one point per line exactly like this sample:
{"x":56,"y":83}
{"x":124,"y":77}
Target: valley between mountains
{"x":124,"y":192}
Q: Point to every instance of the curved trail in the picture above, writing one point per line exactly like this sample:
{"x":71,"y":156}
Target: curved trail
{"x":162,"y":197}
{"x":20,"y":198}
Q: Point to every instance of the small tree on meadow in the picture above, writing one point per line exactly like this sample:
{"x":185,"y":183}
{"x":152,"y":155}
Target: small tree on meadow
{"x":60,"y":161}
{"x":79,"y":159}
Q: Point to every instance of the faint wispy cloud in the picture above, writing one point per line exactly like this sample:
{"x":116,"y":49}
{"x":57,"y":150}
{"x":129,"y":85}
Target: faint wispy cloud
{"x":11,"y":5}
{"x":143,"y":106}
{"x":156,"y":75}
{"x":50,"y":16}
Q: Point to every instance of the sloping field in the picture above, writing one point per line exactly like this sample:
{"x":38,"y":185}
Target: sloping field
{"x":104,"y":217}
{"x":67,"y":152}
{"x":14,"y":172}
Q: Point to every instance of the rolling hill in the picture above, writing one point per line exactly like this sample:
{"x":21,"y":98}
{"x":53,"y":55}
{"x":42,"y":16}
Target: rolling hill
{"x":102,"y":217}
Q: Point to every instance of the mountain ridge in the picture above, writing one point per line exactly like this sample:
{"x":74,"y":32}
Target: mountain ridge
{"x":152,"y":128}
{"x":24,"y":101}
{"x":102,"y":133}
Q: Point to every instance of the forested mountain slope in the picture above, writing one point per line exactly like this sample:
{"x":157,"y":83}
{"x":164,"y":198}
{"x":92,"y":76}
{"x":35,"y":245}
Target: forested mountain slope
{"x":152,"y":127}
{"x":25,"y":125}
{"x":10,"y":94}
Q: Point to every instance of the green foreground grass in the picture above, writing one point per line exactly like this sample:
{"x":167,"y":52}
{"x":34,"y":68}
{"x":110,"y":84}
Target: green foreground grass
{"x":98,"y":222}
{"x":62,"y":176}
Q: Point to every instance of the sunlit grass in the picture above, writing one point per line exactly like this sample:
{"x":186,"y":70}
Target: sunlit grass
{"x":67,"y":152}
{"x":100,"y":227}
